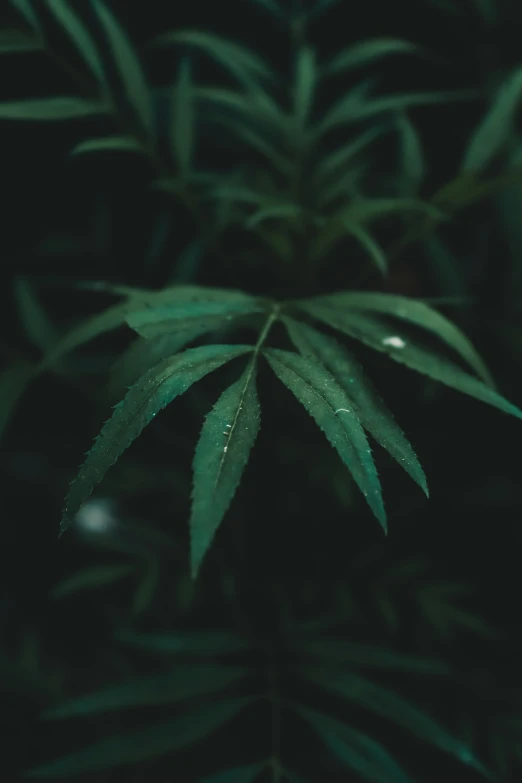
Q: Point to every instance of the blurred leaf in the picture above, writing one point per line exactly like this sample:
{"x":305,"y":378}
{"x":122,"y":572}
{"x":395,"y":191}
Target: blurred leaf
{"x":73,"y":26}
{"x":13,"y":383}
{"x":355,"y":750}
{"x":369,"y":408}
{"x":12,"y":40}
{"x":412,"y":167}
{"x":446,"y":268}
{"x":240,"y":61}
{"x":305,"y":80}
{"x":128,"y":66}
{"x":25,"y":8}
{"x":36,"y":322}
{"x":254,"y":106}
{"x":329,"y":165}
{"x":387,"y":704}
{"x":108,"y":144}
{"x":182,"y":128}
{"x":411,"y":311}
{"x":156,"y":389}
{"x":277,"y":211}
{"x":236,"y":775}
{"x":363,"y":53}
{"x":332,"y":652}
{"x":402,"y":348}
{"x":375,"y":252}
{"x":98,"y":576}
{"x":183,"y":682}
{"x":223,"y":450}
{"x":206,"y":643}
{"x":320,"y":394}
{"x":493,"y":133}
{"x":144,"y":594}
{"x":63,"y":108}
{"x":145,"y":743}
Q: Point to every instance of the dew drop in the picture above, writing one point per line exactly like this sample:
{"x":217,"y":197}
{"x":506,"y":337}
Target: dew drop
{"x":394,"y":342}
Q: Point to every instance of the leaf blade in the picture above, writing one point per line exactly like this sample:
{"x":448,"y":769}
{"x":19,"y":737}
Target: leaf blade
{"x":51,"y":109}
{"x":76,"y":30}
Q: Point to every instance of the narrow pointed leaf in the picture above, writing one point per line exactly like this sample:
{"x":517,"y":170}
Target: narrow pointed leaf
{"x":182,"y":682}
{"x":206,"y":644}
{"x":369,"y":244}
{"x":51,"y":109}
{"x":411,"y":311}
{"x":89,"y":578}
{"x":326,"y":401}
{"x":332,"y":652}
{"x":366,"y":52}
{"x":277,"y":211}
{"x":369,"y":408}
{"x":128,"y":65}
{"x":108,"y":144}
{"x":18,"y":41}
{"x":330,"y":164}
{"x":165,"y":318}
{"x":182,"y":123}
{"x":226,"y":440}
{"x":356,"y":750}
{"x":400,"y":347}
{"x":156,"y":389}
{"x":304,"y":85}
{"x":412,"y":166}
{"x":387,"y":704}
{"x":13,"y":383}
{"x":240,"y":61}
{"x":496,"y":128}
{"x":145,"y":743}
{"x":26,"y":10}
{"x":236,"y":775}
{"x":34,"y":318}
{"x":77,"y":31}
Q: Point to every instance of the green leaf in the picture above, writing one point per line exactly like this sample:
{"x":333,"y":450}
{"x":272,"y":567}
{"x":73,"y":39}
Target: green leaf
{"x":25,"y":8}
{"x":145,"y":743}
{"x":13,"y":383}
{"x":236,"y":775}
{"x":369,"y":408}
{"x":207,"y":643}
{"x":223,"y":449}
{"x":318,"y":391}
{"x":366,"y":52}
{"x":98,"y":576}
{"x":410,"y":311}
{"x":341,"y":159}
{"x":51,"y":109}
{"x":128,"y":65}
{"x":241,"y":62}
{"x":305,"y":80}
{"x":204,"y":316}
{"x":355,"y":750}
{"x":495,"y":130}
{"x":254,"y":106}
{"x":277,"y":211}
{"x":33,"y":316}
{"x":369,"y":244}
{"x":12,"y":40}
{"x":156,"y":389}
{"x":182,"y":125}
{"x":334,"y":652}
{"x":108,"y":144}
{"x":412,"y":168}
{"x":387,"y":704}
{"x":182,"y":682}
{"x":400,"y":347}
{"x":73,"y":26}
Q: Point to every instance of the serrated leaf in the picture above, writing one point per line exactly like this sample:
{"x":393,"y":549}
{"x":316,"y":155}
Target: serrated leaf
{"x":12,"y":40}
{"x":223,"y":449}
{"x":128,"y":65}
{"x":369,"y":408}
{"x":318,"y":391}
{"x":305,"y":80}
{"x":51,"y":109}
{"x":206,"y":643}
{"x":182,"y":682}
{"x":363,"y":53}
{"x":385,"y":703}
{"x":156,"y":389}
{"x":182,"y":123}
{"x":400,"y":347}
{"x":34,"y":318}
{"x":334,"y":652}
{"x":411,"y":311}
{"x":241,"y":62}
{"x":237,"y":775}
{"x":203,"y":316}
{"x":13,"y":383}
{"x":76,"y":30}
{"x":108,"y":144}
{"x":98,"y":576}
{"x":356,"y":750}
{"x":145,"y":743}
{"x":494,"y":131}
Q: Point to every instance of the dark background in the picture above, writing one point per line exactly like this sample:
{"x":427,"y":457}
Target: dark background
{"x":297,"y":536}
